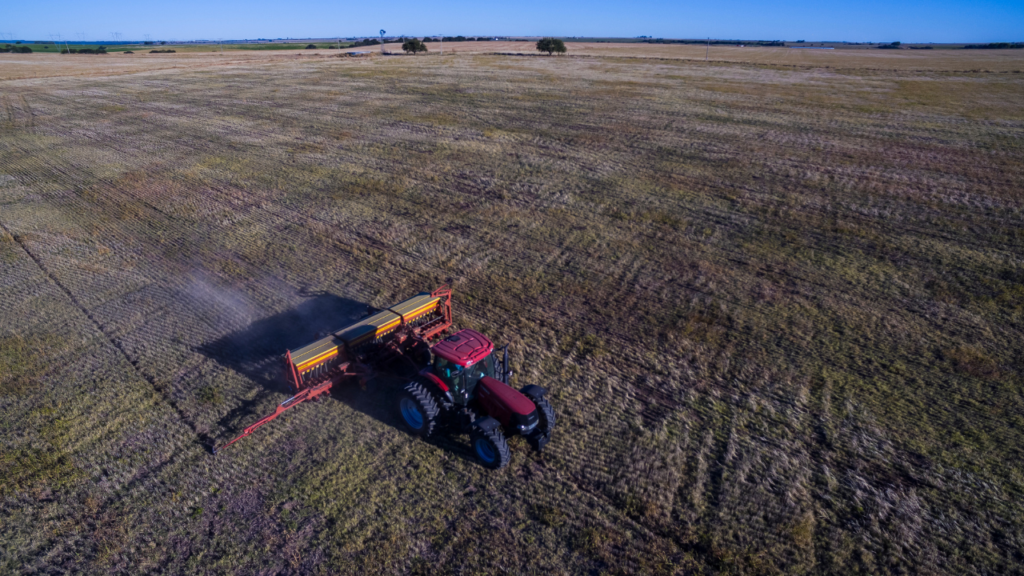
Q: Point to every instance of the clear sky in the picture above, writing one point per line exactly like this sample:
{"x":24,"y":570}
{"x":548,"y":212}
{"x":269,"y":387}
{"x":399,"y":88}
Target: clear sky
{"x":854,"y":20}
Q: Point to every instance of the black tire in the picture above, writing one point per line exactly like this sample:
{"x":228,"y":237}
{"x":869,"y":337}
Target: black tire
{"x":545,"y":414}
{"x":541,"y":435}
{"x":418,"y":410}
{"x":490,"y":447}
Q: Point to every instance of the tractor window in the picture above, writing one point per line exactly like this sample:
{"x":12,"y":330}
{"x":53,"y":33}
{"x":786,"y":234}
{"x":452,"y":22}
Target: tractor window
{"x":477,"y":371}
{"x":449,"y":372}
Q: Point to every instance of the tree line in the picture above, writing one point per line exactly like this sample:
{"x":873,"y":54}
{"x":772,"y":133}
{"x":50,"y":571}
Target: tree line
{"x":995,"y":46}
{"x":549,"y":45}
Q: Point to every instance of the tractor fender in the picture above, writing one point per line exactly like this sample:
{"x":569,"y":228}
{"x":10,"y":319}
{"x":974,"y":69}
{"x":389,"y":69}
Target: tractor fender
{"x":431,"y":378}
{"x":533,"y":391}
{"x":487,"y":424}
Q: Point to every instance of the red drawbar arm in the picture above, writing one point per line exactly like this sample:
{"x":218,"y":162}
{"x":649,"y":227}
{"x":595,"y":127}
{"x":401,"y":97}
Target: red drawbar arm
{"x":292,"y":402}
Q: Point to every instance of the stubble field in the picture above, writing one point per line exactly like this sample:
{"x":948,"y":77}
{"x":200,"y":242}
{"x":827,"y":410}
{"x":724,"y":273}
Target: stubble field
{"x":780,"y":311}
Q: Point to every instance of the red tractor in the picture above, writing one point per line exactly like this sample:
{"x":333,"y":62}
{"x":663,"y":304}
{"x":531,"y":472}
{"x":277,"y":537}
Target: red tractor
{"x":461,"y":385}
{"x":465,"y":388}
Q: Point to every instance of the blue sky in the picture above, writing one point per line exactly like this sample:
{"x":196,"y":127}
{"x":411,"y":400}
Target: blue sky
{"x":863,"y":20}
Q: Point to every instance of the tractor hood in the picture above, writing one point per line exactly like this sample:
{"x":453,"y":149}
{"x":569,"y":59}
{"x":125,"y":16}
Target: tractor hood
{"x":491,"y":390}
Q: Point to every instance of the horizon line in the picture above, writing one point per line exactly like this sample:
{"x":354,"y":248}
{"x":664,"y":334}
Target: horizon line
{"x":505,"y":37}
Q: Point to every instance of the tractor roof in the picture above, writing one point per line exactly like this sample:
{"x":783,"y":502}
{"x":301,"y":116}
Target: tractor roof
{"x":464,"y":348}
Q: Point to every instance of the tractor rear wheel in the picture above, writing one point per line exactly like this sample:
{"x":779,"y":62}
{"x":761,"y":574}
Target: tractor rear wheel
{"x":490,"y":447}
{"x":418,"y":409}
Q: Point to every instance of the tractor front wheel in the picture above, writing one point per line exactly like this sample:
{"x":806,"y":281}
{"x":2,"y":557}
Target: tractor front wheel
{"x":546,"y":425}
{"x":546,"y":421}
{"x":490,"y":447}
{"x":418,"y":410}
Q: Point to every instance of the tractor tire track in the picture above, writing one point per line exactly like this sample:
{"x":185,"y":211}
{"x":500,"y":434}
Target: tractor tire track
{"x":201,"y":438}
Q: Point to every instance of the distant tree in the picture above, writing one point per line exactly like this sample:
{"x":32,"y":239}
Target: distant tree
{"x":414,"y":46}
{"x":551,"y":45}
{"x":995,"y":46}
{"x":429,"y":39}
{"x":311,"y":47}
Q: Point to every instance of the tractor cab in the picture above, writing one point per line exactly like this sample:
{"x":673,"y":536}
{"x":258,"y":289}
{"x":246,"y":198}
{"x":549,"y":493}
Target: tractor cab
{"x":461,"y":361}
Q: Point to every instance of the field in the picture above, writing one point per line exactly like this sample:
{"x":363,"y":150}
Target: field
{"x":779,"y":307}
{"x":855,"y":59}
{"x":55,"y":48}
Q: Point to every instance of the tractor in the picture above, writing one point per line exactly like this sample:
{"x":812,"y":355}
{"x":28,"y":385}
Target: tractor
{"x":460,"y":384}
{"x":465,"y":388}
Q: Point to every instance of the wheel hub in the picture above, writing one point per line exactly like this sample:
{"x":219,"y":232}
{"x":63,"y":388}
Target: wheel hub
{"x":411,"y":414}
{"x":485,"y":451}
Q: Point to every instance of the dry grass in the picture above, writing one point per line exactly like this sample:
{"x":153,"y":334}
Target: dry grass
{"x":780,"y":313}
{"x":857,"y":60}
